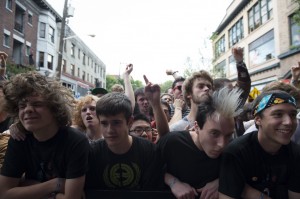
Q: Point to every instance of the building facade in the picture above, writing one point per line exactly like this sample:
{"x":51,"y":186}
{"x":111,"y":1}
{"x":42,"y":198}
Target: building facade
{"x":30,"y":36}
{"x":265,"y":29}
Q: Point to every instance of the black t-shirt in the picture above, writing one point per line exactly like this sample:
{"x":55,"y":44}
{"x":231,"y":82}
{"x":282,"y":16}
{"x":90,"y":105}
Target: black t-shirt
{"x":65,"y":155}
{"x":137,"y":169}
{"x":186,"y":161}
{"x":245,"y":162}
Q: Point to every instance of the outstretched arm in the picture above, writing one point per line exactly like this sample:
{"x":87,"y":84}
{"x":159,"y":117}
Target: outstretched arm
{"x":152,"y":92}
{"x":128,"y":86}
{"x":244,"y":80}
{"x":295,"y":70}
{"x":3,"y":59}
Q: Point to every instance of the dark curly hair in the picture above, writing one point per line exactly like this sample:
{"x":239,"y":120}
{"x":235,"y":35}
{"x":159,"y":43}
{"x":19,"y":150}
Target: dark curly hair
{"x":59,"y":99}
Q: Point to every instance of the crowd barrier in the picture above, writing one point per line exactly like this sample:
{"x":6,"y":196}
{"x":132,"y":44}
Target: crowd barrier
{"x":112,"y":194}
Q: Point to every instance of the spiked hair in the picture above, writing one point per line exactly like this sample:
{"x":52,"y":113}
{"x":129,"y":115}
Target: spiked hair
{"x":224,"y":103}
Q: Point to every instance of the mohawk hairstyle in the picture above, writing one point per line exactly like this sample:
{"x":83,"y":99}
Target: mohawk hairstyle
{"x":224,"y":102}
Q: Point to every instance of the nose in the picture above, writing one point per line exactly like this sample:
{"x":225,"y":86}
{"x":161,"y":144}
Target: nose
{"x":28,"y":108}
{"x":221,"y":142}
{"x":144,"y":134}
{"x":287,"y":120}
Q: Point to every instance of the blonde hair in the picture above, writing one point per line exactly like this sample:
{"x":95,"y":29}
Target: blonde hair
{"x":77,"y":119}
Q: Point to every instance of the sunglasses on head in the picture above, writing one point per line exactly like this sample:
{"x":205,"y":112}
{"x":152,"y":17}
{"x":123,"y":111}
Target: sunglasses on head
{"x":179,"y":87}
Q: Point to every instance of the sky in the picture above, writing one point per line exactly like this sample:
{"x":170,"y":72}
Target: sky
{"x":153,"y":35}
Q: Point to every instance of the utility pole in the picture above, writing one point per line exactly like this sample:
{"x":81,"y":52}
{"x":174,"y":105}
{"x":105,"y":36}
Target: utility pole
{"x":61,"y":41}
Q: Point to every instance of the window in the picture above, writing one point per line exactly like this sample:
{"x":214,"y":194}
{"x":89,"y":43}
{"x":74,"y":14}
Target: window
{"x":72,"y":50}
{"x":28,"y":50}
{"x":294,"y":32}
{"x":65,"y":46}
{"x":78,"y":72}
{"x":83,"y":75}
{"x":51,"y":34}
{"x":9,"y":4}
{"x":88,"y":77}
{"x":262,"y":49}
{"x":95,"y":68}
{"x":73,"y":69}
{"x":41,"y":59}
{"x":78,"y":53}
{"x":50,"y":62}
{"x":42,"y":30}
{"x":83,"y":59}
{"x":30,"y":18}
{"x":232,"y":66}
{"x":220,"y":47}
{"x":6,"y":40}
{"x":64,"y":65}
{"x":259,"y":14}
{"x":220,"y":69}
{"x":236,"y":32}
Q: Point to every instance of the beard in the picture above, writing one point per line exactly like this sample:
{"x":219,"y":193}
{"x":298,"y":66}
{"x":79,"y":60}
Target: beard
{"x":202,"y":98}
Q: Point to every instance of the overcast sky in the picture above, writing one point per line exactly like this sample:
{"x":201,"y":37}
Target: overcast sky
{"x":153,"y":35}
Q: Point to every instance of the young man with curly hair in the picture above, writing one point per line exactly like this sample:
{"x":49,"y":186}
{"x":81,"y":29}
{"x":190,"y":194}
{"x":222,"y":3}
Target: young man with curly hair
{"x":52,"y":160}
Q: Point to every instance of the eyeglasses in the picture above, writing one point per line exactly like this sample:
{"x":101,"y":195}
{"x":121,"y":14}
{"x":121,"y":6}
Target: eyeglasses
{"x":167,"y":99}
{"x":140,"y":131}
{"x":179,"y":87}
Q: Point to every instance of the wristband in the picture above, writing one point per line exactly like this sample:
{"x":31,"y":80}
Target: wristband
{"x":172,"y":183}
{"x":262,"y":195}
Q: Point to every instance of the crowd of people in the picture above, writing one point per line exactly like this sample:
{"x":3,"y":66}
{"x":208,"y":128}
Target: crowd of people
{"x":201,"y":138}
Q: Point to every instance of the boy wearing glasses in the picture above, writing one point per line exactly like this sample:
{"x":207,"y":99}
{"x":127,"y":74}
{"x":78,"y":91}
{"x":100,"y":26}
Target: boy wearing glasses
{"x":264,"y":163}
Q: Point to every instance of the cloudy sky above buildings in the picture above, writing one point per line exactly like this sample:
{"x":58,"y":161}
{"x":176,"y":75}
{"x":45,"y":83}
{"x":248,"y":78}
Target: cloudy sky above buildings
{"x":152,"y":35}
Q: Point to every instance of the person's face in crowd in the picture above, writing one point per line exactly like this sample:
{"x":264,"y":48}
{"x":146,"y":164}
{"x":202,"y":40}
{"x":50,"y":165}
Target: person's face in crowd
{"x":143,"y":104}
{"x":215,"y":135}
{"x":88,"y":115}
{"x":167,"y":98}
{"x":177,"y":90}
{"x":170,"y":91}
{"x":35,"y":115}
{"x":141,"y":128}
{"x":277,"y":124}
{"x":115,"y":129}
{"x":201,"y":90}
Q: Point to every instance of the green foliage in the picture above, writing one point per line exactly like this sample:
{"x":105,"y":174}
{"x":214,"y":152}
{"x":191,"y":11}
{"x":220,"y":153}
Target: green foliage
{"x":166,"y":85}
{"x":296,"y":16}
{"x":111,"y":80}
{"x":13,"y":69}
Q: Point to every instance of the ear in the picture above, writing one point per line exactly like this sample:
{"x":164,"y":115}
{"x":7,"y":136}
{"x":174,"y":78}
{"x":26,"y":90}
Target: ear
{"x":130,"y":122}
{"x":257,"y":120}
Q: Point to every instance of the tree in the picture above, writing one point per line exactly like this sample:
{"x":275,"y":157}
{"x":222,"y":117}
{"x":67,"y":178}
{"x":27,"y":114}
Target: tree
{"x":165,"y":86}
{"x":111,"y":80}
{"x":296,"y":16}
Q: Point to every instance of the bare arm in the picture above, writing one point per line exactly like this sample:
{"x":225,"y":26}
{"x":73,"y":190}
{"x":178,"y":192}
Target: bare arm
{"x":10,"y":189}
{"x":244,"y":80}
{"x":152,"y":92}
{"x":294,"y":195}
{"x":127,"y":85}
{"x":180,"y":189}
{"x":3,"y":59}
{"x":178,"y":105}
{"x":295,"y":70}
{"x":73,"y":189}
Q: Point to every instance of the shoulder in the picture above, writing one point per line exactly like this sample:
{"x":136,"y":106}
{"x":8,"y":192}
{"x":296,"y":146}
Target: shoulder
{"x":241,"y":143}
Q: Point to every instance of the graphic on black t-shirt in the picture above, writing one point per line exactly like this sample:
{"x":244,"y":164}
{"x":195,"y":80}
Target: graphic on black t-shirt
{"x":122,"y":175}
{"x":46,"y":171}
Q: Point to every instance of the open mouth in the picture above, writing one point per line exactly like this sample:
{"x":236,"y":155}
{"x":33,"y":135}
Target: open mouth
{"x":88,"y":118}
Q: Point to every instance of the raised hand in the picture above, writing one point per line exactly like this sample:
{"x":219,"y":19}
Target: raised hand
{"x":152,"y":91}
{"x":238,"y":54}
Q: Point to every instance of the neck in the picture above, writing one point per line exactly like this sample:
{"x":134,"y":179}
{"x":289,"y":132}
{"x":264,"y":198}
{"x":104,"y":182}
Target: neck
{"x":46,"y":133}
{"x":269,"y":146}
{"x":195,"y":137}
{"x":123,"y":147}
{"x":94,"y":133}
